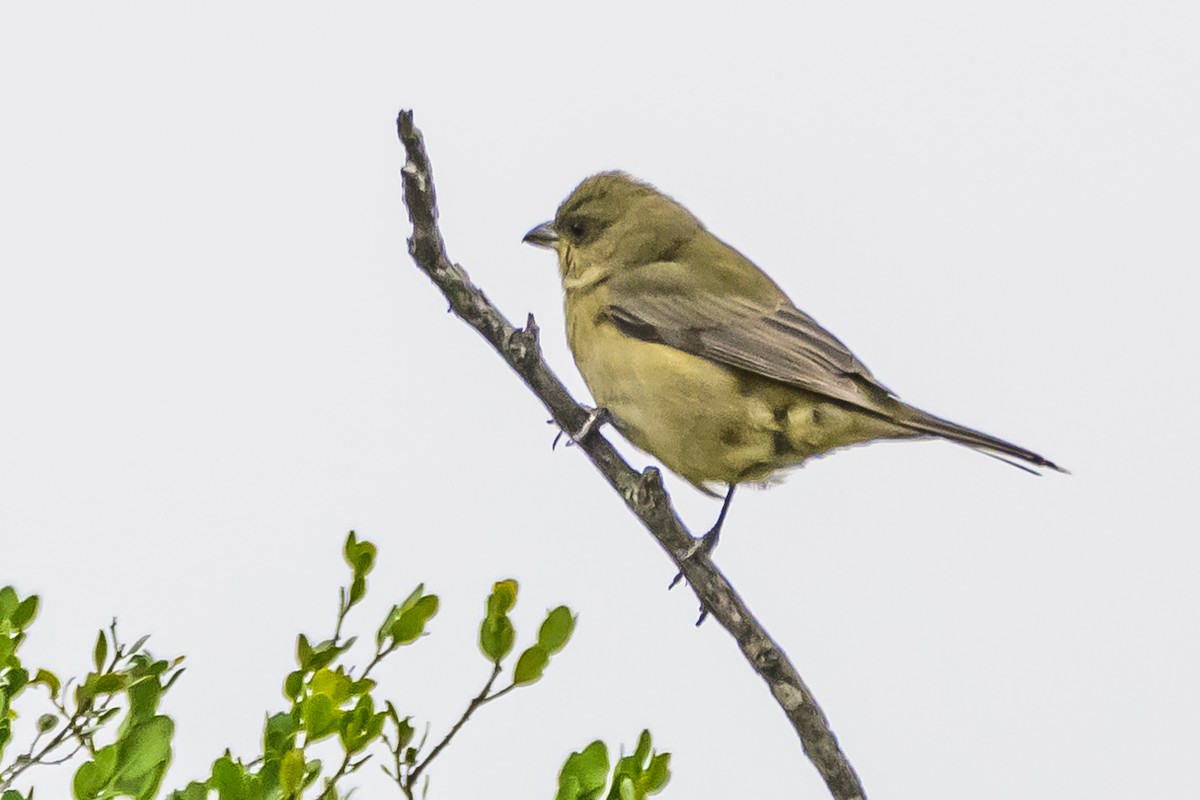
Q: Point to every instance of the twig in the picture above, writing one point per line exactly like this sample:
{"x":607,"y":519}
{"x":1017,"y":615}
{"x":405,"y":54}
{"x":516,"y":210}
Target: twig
{"x":346,"y":768}
{"x":71,"y":729}
{"x":642,"y":492}
{"x":477,"y":701}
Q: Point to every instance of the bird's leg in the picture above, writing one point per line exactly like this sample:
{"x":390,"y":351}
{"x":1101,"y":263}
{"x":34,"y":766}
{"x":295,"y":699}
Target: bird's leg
{"x":708,"y":542}
{"x":596,"y":418}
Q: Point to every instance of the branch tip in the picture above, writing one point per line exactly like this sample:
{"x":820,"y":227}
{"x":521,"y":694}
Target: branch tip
{"x":522,"y":345}
{"x":649,"y":488}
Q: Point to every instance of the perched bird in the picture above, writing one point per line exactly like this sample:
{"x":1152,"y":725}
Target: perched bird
{"x":699,"y":359}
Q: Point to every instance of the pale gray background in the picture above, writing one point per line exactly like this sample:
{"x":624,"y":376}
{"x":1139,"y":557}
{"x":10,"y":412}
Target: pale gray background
{"x":216,"y":358}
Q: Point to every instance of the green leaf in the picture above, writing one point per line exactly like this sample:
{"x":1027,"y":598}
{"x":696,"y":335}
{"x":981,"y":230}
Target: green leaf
{"x":502,"y":598}
{"x":361,"y":725}
{"x":362,"y":686}
{"x":143,"y":695}
{"x":279,"y":734}
{"x":384,"y":631}
{"x":145,"y":747}
{"x":358,"y":588}
{"x":14,"y":680}
{"x":107,"y":714}
{"x":569,"y":788}
{"x":174,"y":676}
{"x":303,"y":651}
{"x":530,"y":665}
{"x":375,"y":725}
{"x":350,"y":732}
{"x":24,"y":613}
{"x":643,"y":748}
{"x":350,"y":548}
{"x":641,"y":773}
{"x":496,"y":637}
{"x":93,"y":776}
{"x":556,"y":630}
{"x":291,"y":772}
{"x":657,"y":774}
{"x":13,"y":794}
{"x":413,"y":596}
{"x":47,"y":723}
{"x":49,"y":680}
{"x":404,"y":728}
{"x":106,"y":759}
{"x":7,"y":648}
{"x":496,"y":632}
{"x":321,"y":717}
{"x":365,"y":559}
{"x":359,"y":555}
{"x":311,"y":772}
{"x":193,"y":791}
{"x":335,"y":684}
{"x":293,"y":684}
{"x":8,"y":601}
{"x":100,"y":653}
{"x":322,"y":654}
{"x":95,"y":685}
{"x":109,"y":683}
{"x":230,"y":779}
{"x":412,"y":622}
{"x":584,"y":774}
{"x":157,"y":668}
{"x":398,"y":611}
{"x":365,"y":706}
{"x":88,"y":781}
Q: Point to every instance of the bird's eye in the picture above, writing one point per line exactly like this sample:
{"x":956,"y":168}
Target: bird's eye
{"x":578,"y":229}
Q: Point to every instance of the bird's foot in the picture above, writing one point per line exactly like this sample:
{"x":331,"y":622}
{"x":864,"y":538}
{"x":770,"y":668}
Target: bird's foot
{"x":596,"y":419}
{"x":705,"y":544}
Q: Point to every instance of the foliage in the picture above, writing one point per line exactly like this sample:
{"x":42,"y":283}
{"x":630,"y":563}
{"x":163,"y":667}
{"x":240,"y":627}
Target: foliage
{"x":134,"y":762}
{"x":635,"y":777}
{"x":328,"y":703}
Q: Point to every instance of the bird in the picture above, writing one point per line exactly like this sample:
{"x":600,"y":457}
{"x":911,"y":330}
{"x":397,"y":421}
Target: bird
{"x":698,"y":358}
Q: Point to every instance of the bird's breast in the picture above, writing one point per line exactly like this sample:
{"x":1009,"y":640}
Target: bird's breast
{"x":704,"y":421}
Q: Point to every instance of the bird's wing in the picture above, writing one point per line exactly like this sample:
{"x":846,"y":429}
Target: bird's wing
{"x":761,"y":332}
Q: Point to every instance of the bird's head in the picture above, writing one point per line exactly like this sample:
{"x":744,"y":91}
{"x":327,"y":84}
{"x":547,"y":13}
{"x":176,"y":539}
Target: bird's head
{"x":613,"y":221}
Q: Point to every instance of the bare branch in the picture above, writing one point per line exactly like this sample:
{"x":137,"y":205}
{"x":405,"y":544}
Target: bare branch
{"x":642,"y":492}
{"x":476,"y":702}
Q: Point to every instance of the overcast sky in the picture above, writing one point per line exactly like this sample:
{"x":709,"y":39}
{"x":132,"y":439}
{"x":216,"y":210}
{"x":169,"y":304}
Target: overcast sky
{"x":216,"y":359}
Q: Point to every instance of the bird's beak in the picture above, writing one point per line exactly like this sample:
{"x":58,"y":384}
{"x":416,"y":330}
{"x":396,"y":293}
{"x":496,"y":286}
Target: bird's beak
{"x":543,"y":235}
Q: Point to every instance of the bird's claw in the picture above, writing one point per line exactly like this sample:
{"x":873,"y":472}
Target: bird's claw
{"x":705,"y":544}
{"x":596,"y":418}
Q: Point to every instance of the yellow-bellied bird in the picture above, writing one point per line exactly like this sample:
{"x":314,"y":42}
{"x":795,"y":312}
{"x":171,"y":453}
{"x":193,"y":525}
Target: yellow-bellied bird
{"x":700,"y":359}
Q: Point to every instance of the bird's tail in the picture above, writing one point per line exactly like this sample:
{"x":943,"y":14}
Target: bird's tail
{"x":924,"y":423}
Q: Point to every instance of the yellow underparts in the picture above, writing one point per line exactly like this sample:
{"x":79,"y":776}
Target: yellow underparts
{"x":705,"y":422}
